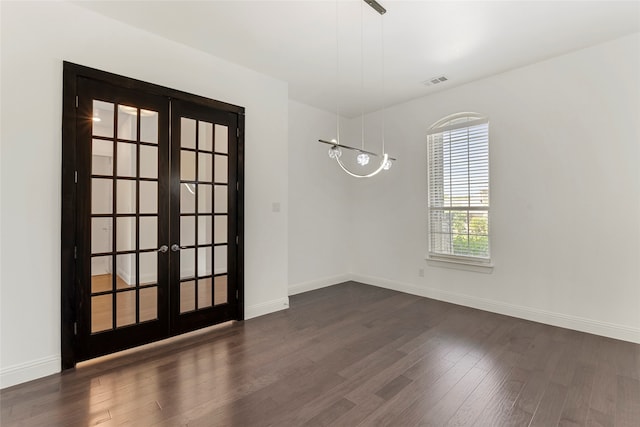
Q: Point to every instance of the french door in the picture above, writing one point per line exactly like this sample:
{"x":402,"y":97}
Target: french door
{"x":203,"y":216}
{"x":156,"y":214}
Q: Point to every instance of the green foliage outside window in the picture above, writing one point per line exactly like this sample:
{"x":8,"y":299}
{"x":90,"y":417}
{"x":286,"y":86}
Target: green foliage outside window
{"x":475,"y":240}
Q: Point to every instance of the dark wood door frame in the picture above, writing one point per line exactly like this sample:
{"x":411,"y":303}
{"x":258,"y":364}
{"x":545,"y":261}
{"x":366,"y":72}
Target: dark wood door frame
{"x":69,"y":237}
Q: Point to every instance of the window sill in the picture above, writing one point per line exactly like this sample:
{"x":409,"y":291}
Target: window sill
{"x":460,"y":264}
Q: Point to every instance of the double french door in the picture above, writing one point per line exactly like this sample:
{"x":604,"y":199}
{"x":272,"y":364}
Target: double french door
{"x":157,"y":218}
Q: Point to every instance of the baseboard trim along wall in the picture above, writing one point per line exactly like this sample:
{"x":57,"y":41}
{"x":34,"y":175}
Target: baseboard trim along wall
{"x":267,"y":307}
{"x":34,"y":369}
{"x":620,"y":332}
{"x":28,"y":371}
{"x":312,"y":285}
{"x":42,"y":367}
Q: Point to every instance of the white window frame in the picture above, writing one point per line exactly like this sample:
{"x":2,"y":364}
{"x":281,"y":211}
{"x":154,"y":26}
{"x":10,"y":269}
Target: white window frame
{"x":446,"y":124}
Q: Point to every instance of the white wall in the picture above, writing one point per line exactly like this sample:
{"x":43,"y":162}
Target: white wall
{"x":36,"y":38}
{"x":319,"y":207}
{"x":565,"y":194}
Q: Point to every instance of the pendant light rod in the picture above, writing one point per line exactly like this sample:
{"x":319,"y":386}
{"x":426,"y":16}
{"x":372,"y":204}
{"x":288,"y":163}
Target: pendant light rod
{"x":376,"y":6}
{"x":362,"y":74}
{"x":382,"y":75}
{"x":359,"y":150}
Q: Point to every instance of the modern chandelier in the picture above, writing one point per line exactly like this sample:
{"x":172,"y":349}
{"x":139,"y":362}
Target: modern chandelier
{"x":363,"y":156}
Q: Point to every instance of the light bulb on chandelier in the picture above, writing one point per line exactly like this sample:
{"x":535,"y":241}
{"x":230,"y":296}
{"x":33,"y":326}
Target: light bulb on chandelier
{"x":362,"y":159}
{"x":334,"y":152}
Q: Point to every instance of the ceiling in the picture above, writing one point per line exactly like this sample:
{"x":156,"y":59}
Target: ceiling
{"x":295,"y":40}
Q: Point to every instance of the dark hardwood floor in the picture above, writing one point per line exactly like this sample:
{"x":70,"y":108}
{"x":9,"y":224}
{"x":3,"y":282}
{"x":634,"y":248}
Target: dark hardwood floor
{"x":350,"y":355}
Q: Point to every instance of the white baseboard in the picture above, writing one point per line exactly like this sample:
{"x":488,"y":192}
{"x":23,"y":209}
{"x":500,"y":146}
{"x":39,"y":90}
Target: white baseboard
{"x":39,"y":368}
{"x":148,"y":278}
{"x":312,"y":285}
{"x":263,"y":308}
{"x":28,"y":371}
{"x":126,"y":277}
{"x":611,"y":330}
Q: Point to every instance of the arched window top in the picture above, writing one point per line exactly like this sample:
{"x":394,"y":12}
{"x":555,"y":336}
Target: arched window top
{"x":458,"y":120}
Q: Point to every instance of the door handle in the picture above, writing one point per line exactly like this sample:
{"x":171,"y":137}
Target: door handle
{"x":175,"y":247}
{"x":163,"y":248}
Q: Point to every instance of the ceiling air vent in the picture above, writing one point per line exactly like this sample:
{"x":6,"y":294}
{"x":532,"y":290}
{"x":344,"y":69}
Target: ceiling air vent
{"x":435,"y":80}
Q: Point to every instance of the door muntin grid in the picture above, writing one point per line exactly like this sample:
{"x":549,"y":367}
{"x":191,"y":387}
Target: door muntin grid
{"x":124,"y":215}
{"x":203,"y":223}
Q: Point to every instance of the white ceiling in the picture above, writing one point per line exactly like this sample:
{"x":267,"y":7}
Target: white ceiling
{"x":295,"y":41}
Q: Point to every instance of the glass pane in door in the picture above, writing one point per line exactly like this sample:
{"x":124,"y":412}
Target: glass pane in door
{"x":126,"y":308}
{"x":187,"y":263}
{"x":127,"y":158}
{"x":148,"y":267}
{"x":102,"y":157}
{"x":126,"y":271}
{"x":222,"y":139}
{"x":148,"y":232}
{"x":221,"y":169}
{"x":101,"y":235}
{"x":126,"y":199}
{"x":221,"y":198}
{"x":187,"y":133}
{"x":101,"y":313}
{"x":149,"y":197}
{"x":148,"y":305}
{"x":187,"y":296}
{"x":205,"y":264}
{"x":204,"y":293}
{"x":204,"y":229}
{"x":127,"y":122}
{"x":101,"y":196}
{"x":148,"y":161}
{"x":205,"y":167}
{"x":220,"y":296}
{"x":205,"y":196}
{"x":149,"y":126}
{"x":205,"y":136}
{"x":187,"y":231}
{"x":187,"y":165}
{"x":101,"y":273}
{"x":102,"y":120}
{"x":187,"y":198}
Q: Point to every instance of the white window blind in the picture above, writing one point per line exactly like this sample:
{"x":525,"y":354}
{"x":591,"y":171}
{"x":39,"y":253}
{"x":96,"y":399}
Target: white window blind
{"x":458,"y":186}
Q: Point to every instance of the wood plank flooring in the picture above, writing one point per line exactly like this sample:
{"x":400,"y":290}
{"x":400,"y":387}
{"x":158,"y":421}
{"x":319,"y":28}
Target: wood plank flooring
{"x":349,"y":355}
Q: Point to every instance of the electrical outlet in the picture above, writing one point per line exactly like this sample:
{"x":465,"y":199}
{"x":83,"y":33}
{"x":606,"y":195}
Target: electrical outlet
{"x":421,"y":272}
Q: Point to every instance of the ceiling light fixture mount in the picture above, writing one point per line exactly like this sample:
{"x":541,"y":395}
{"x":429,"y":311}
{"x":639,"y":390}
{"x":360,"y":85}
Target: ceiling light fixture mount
{"x":376,"y":6}
{"x":363,"y":156}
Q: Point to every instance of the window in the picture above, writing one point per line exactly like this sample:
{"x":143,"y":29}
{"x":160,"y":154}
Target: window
{"x":458,"y":188}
